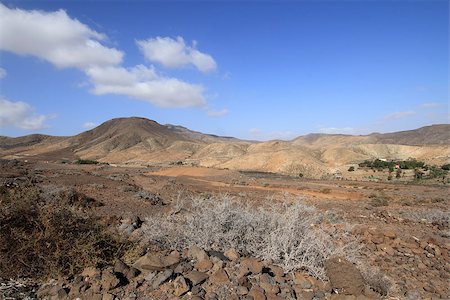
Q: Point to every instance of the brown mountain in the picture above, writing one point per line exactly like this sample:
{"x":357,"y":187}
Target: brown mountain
{"x":428,"y":135}
{"x":141,"y":141}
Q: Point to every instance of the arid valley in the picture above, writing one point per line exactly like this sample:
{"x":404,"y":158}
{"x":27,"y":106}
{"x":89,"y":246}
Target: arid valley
{"x":193,"y":216}
{"x":224,"y":150}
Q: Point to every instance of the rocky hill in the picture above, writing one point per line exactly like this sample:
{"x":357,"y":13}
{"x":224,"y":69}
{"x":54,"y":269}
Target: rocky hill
{"x":141,"y":141}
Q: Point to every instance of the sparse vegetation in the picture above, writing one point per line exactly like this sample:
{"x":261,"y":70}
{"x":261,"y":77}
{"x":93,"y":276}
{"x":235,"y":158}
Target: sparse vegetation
{"x":428,"y":215}
{"x":379,"y":200}
{"x":446,"y":167}
{"x":436,"y":172}
{"x":87,"y":162}
{"x":402,"y":164}
{"x":325,"y":191}
{"x":292,"y":236}
{"x":44,"y":238}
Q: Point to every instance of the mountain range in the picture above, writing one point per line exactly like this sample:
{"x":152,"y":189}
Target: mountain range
{"x":140,"y":141}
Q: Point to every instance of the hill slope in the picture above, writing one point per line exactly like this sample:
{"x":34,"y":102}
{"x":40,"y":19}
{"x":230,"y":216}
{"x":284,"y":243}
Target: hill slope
{"x":142,"y":141}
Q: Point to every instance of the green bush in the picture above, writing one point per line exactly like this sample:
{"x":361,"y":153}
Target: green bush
{"x":403,"y":164}
{"x":86,"y":162}
{"x":351,"y":169}
{"x":436,"y":172}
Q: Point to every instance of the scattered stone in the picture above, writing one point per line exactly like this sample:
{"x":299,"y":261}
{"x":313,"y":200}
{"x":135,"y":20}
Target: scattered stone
{"x":160,"y":278}
{"x":218,"y":255}
{"x":180,"y":286}
{"x":303,"y":294}
{"x":232,"y":254}
{"x":109,"y":280}
{"x":197,"y":290}
{"x":121,"y":267}
{"x":149,"y":277}
{"x":156,"y":262}
{"x":198,"y":253}
{"x":90,"y":272}
{"x":276,"y":270}
{"x":219,"y":277}
{"x":197,"y":277}
{"x":301,"y":280}
{"x":390,"y":233}
{"x":273,"y":297}
{"x":252,"y":264}
{"x":242,"y":290}
{"x":183,"y":267}
{"x":204,"y":265}
{"x":257,"y":293}
{"x":107,"y":296}
{"x":344,"y":277}
{"x":386,"y":249}
{"x":132,"y":273}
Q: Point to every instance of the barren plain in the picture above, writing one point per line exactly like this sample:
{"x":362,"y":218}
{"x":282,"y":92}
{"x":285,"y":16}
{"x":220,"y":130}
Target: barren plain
{"x":182,"y":215}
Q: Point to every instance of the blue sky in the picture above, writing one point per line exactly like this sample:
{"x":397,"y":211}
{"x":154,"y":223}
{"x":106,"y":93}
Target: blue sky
{"x":249,"y":69}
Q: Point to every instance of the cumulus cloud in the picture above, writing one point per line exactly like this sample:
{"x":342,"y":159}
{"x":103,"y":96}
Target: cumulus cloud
{"x":144,"y":83}
{"x":174,"y":53}
{"x":66,"y":42}
{"x":55,"y":37}
{"x":89,"y":125}
{"x":399,"y":115}
{"x":3,"y":73}
{"x":217,"y":113}
{"x":20,"y":114}
{"x":337,"y":130}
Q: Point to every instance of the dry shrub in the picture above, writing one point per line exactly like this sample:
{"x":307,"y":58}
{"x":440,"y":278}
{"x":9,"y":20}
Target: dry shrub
{"x":379,"y":201}
{"x":376,"y":279}
{"x":67,"y":196}
{"x":46,"y":239}
{"x":426,"y":215}
{"x":293,"y":236}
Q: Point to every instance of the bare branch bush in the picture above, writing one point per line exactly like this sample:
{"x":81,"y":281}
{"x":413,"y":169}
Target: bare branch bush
{"x":426,"y":215}
{"x":294,"y":236}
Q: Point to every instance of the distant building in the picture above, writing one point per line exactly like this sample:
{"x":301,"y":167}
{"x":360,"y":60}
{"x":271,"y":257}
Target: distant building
{"x":337,"y":174}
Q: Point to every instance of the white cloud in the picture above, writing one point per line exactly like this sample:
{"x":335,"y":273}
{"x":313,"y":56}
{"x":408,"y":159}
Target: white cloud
{"x":55,"y":37}
{"x":89,"y":125}
{"x":66,"y":42}
{"x":399,"y":115}
{"x":337,"y":130}
{"x":217,"y":113}
{"x":430,"y":105}
{"x":3,"y":73}
{"x":145,"y":84}
{"x":20,"y":114}
{"x":174,"y":53}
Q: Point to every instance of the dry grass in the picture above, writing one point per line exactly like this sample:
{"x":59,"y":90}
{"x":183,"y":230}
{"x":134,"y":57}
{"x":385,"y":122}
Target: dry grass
{"x":43,"y":238}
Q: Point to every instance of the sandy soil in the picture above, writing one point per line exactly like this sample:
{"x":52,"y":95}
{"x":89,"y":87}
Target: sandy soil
{"x":118,"y":188}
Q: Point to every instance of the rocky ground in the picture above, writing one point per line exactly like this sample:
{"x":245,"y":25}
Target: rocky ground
{"x":197,"y":274}
{"x":403,"y":231}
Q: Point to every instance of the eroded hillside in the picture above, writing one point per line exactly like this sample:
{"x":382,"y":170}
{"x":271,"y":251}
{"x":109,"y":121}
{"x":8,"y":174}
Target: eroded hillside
{"x":139,"y":141}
